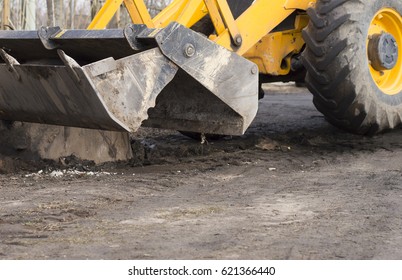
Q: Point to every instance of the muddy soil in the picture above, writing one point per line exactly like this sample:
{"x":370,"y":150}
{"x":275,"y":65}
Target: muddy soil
{"x":293,"y":187}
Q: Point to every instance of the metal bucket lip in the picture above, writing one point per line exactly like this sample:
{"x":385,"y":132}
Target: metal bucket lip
{"x":86,"y":46}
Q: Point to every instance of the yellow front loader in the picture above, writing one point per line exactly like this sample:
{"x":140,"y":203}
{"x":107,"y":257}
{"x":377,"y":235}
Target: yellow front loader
{"x":198,"y":65}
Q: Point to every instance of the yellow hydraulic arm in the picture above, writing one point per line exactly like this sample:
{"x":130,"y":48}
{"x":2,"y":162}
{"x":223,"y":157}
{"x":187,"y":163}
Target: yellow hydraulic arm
{"x":249,"y":35}
{"x":137,"y":10}
{"x":255,"y":23}
{"x":185,"y":12}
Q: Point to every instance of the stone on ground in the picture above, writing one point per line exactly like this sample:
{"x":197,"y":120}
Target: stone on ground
{"x":34,"y":141}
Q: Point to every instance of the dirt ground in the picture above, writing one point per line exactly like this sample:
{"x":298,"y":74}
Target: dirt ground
{"x":293,"y":187}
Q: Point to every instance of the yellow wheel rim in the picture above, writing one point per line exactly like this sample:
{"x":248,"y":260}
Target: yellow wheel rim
{"x":387,"y":21}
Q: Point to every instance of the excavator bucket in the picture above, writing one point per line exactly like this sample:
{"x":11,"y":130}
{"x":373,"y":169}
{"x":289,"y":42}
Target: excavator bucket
{"x":121,"y":79}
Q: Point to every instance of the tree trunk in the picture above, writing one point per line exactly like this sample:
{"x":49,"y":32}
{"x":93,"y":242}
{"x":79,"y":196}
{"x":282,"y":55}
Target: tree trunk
{"x":6,"y":14}
{"x":30,"y":15}
{"x":95,"y":7}
{"x":54,"y":13}
{"x":50,"y":14}
{"x":72,"y":13}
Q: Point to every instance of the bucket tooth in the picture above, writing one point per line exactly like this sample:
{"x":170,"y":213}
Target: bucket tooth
{"x":70,"y":64}
{"x":10,"y":62}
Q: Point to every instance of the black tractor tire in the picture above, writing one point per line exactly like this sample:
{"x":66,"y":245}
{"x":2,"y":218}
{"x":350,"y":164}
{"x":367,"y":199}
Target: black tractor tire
{"x":338,"y":69}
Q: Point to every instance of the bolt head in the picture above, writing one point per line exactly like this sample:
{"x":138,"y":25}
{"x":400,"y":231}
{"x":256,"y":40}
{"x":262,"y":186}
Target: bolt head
{"x":129,"y":30}
{"x":254,"y":70}
{"x":238,"y":40}
{"x":189,"y":50}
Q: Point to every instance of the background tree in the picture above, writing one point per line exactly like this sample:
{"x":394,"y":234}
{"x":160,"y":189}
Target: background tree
{"x":64,"y":13}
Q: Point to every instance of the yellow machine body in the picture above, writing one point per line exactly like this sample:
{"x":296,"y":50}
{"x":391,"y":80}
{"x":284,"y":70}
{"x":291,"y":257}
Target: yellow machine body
{"x":271,"y":51}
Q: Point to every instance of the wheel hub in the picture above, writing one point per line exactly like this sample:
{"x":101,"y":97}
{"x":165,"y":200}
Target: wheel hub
{"x":383,"y":51}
